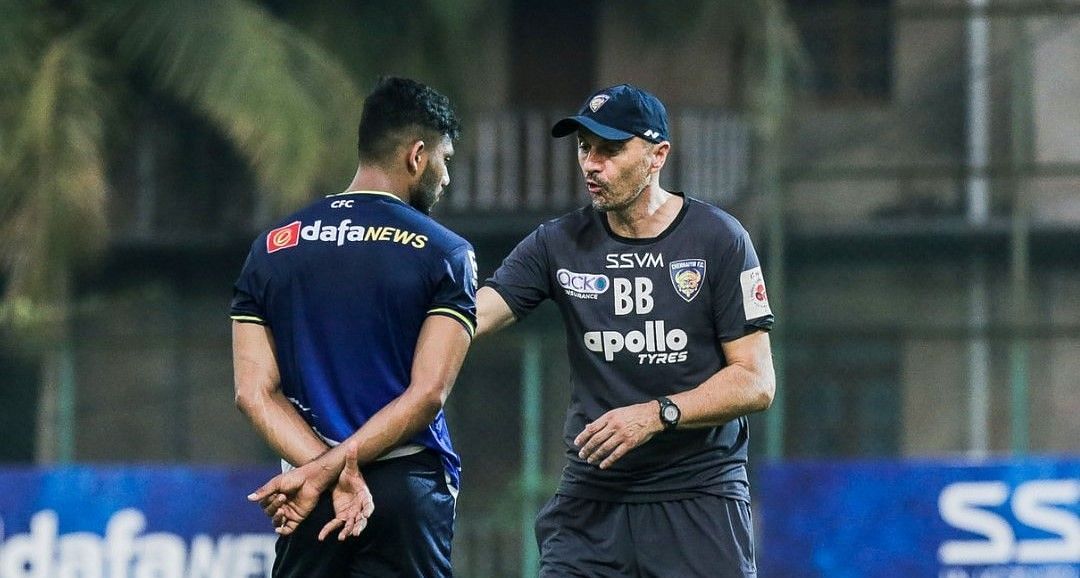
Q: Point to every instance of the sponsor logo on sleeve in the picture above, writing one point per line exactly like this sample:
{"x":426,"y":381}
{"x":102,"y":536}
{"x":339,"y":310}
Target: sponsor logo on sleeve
{"x":582,"y":285}
{"x":755,"y":300}
{"x":283,"y":237}
{"x":687,"y":276}
{"x":474,"y":269}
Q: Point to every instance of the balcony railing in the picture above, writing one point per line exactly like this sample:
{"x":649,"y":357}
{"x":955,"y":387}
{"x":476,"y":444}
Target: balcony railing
{"x":508,"y":162}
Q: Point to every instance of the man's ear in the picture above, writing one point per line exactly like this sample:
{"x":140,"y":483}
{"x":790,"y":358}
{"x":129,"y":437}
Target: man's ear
{"x":417,"y":159}
{"x":659,"y":156}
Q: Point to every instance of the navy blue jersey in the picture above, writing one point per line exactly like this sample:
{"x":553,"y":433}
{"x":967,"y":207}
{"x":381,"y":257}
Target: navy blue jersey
{"x":645,"y":318}
{"x":345,"y":285}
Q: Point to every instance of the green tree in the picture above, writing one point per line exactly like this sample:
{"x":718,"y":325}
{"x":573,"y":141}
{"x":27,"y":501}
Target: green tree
{"x":67,"y":70}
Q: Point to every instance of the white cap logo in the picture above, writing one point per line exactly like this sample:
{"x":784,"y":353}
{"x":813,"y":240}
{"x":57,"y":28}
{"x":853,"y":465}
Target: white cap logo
{"x":598,"y":101}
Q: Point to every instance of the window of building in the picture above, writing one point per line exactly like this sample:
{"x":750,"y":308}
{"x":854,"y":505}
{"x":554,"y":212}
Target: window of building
{"x":849,"y":45}
{"x":843,"y":397}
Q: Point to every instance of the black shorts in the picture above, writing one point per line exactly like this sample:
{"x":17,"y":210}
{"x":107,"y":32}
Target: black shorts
{"x":706,"y":537}
{"x":408,"y":535}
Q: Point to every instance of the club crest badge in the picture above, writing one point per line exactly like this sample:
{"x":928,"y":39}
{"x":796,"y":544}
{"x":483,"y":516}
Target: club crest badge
{"x":687,"y":276}
{"x":598,"y":101}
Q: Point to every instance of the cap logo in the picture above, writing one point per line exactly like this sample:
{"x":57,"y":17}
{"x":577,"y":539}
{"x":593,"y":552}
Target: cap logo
{"x":598,"y":101}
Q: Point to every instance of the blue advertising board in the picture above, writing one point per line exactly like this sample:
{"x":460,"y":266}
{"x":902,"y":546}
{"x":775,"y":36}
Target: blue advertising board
{"x":133,"y":522}
{"x":888,"y":519}
{"x":871,"y":519}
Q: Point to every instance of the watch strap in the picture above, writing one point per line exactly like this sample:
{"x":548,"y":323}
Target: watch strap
{"x":664,"y":404}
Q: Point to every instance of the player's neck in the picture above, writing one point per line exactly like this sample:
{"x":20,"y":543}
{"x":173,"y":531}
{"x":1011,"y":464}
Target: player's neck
{"x":650,"y":215}
{"x":375,"y":179}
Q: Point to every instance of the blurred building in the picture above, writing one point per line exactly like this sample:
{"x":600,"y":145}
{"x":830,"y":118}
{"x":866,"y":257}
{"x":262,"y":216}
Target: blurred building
{"x":909,"y":170}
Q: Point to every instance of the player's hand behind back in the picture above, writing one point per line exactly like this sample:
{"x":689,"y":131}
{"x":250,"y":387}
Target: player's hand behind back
{"x":352,"y":500}
{"x":288,"y":498}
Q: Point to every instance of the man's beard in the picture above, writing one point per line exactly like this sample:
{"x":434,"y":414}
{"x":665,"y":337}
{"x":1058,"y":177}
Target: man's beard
{"x":607,"y":204}
{"x":425,"y":194}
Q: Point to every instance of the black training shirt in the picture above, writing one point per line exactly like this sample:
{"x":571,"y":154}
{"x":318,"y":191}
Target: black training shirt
{"x":645,"y":318}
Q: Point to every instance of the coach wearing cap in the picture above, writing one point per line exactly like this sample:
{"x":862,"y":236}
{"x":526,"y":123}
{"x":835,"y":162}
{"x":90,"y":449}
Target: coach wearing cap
{"x":667,"y":320}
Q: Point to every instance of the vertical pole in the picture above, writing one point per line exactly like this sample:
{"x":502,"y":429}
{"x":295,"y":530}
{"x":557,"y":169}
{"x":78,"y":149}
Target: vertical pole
{"x":55,"y":440}
{"x":978,"y":360}
{"x":531,"y":380}
{"x":978,"y":113}
{"x":978,"y":212}
{"x":65,"y":422}
{"x":1019,"y":348}
{"x":1019,"y":263}
{"x":769,"y":126}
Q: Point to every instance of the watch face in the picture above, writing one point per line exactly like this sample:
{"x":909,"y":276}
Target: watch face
{"x":671,"y":413}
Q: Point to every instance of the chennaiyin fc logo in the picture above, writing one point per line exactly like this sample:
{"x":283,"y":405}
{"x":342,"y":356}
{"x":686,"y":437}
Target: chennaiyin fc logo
{"x":598,"y":101}
{"x":687,"y":275}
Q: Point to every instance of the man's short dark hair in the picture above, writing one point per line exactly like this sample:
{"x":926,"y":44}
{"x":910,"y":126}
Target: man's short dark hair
{"x":399,"y":110}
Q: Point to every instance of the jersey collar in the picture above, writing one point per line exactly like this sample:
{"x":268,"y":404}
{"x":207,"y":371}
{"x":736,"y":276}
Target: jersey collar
{"x":645,"y":240}
{"x":379,"y":193}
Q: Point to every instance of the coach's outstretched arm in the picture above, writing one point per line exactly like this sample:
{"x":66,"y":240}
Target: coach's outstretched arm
{"x":440,"y":351}
{"x":745,"y":385}
{"x":492,"y":312}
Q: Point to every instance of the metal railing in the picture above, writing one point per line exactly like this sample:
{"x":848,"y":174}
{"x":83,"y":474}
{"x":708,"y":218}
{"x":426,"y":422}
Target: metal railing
{"x":507,"y":161}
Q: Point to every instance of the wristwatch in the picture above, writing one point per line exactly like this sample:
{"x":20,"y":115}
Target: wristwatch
{"x":669,"y":413}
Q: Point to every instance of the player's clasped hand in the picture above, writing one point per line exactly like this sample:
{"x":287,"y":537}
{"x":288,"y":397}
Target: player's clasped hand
{"x":615,"y":433}
{"x":352,"y":500}
{"x":287,"y":498}
{"x":290,"y":497}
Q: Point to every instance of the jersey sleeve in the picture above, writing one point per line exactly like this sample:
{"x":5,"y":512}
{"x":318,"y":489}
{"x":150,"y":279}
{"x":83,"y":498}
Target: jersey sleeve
{"x":455,"y":288}
{"x":248,"y":301}
{"x":523,"y":280}
{"x":740,"y":303}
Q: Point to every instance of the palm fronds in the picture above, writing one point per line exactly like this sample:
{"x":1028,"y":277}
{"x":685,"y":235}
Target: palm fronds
{"x":54,"y":181}
{"x":285,"y":103}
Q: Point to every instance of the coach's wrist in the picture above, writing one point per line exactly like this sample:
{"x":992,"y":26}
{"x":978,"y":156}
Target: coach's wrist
{"x":648,"y":418}
{"x":668,"y":413}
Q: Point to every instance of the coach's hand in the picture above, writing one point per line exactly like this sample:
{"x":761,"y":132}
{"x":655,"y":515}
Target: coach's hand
{"x":290,"y":497}
{"x":352,"y":501}
{"x":616,"y":432}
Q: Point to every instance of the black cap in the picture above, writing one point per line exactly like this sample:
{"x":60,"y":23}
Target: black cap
{"x":618,"y":113}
